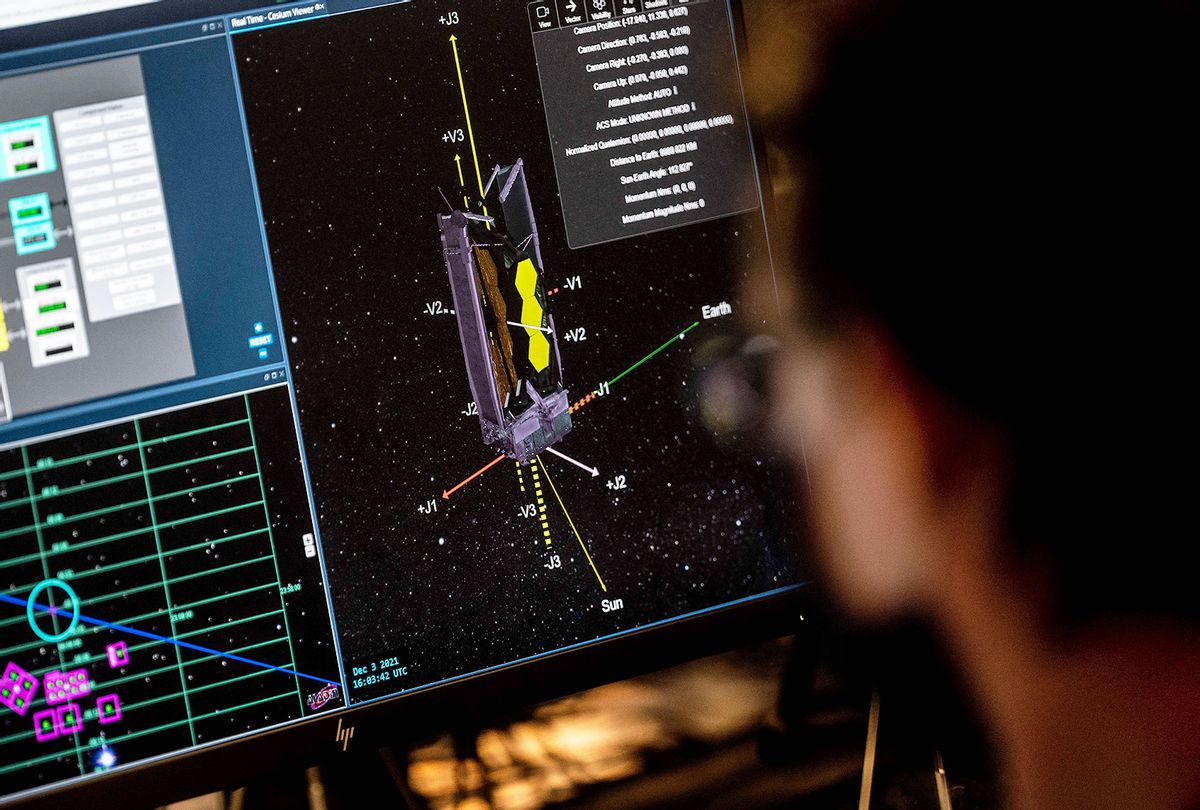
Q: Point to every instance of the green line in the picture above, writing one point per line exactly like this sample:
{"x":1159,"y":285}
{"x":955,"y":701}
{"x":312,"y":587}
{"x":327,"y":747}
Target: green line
{"x":12,"y":621}
{"x":160,"y":699}
{"x":155,"y":730}
{"x":161,"y":555}
{"x":166,"y":726}
{"x":223,"y":625}
{"x":162,"y":569}
{"x":91,"y":572}
{"x":29,"y":645}
{"x":98,"y":512}
{"x":29,"y":763}
{"x":218,"y":541}
{"x":46,"y":571}
{"x":125,"y":709}
{"x":228,"y":681}
{"x":127,"y":621}
{"x":42,"y":310}
{"x":170,"y":552}
{"x":22,"y":501}
{"x":122,"y":535}
{"x":194,"y":518}
{"x":22,"y":530}
{"x":193,"y":662}
{"x":147,"y":558}
{"x":39,"y":700}
{"x":231,"y":681}
{"x":193,"y":690}
{"x":219,"y":570}
{"x":92,"y":485}
{"x":132,"y":649}
{"x":271,"y":536}
{"x":184,"y":691}
{"x":223,"y":596}
{"x":106,"y":539}
{"x":656,"y":351}
{"x":15,"y":501}
{"x":42,"y":464}
{"x":203,"y":487}
{"x":127,"y":592}
{"x":140,"y":501}
{"x":177,"y":436}
{"x":140,"y":588}
{"x":200,"y":460}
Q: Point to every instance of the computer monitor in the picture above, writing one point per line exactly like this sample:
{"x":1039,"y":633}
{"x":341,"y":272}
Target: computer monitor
{"x":346,"y":350}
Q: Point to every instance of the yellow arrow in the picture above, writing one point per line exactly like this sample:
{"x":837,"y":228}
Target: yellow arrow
{"x":462,"y":89}
{"x":462,"y":183}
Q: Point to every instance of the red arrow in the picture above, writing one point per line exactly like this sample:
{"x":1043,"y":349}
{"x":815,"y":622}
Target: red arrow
{"x":448,"y":492}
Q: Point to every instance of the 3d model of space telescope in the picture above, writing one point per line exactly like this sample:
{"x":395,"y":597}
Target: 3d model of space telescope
{"x":509,"y":342}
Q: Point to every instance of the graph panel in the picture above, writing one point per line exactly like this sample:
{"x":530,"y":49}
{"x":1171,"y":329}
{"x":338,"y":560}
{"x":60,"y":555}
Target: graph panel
{"x":141,"y":563}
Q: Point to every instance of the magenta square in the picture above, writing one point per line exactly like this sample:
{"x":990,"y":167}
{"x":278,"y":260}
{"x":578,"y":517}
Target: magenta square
{"x":118,"y":654}
{"x":70,"y":719}
{"x":45,"y":725}
{"x":63,"y":686}
{"x":109,"y":708}
{"x":79,"y":683}
{"x":56,"y":688}
{"x":17,"y":688}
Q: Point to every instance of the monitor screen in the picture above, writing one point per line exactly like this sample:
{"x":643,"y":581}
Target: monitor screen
{"x":345,"y":351}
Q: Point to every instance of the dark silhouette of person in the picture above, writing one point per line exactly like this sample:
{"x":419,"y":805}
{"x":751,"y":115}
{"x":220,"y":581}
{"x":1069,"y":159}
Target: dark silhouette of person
{"x":989,"y":347}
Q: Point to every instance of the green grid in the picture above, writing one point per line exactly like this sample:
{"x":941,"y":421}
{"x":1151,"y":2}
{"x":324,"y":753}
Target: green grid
{"x":46,"y":573}
{"x":162,"y":568}
{"x":271,"y":536}
{"x":41,"y":522}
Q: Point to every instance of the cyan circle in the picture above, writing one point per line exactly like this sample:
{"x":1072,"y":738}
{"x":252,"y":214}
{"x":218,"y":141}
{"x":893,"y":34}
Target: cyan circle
{"x":45,"y":584}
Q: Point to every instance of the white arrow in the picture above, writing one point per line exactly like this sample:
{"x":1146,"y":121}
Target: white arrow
{"x":565,"y":457}
{"x":528,"y":326}
{"x":570,"y":6}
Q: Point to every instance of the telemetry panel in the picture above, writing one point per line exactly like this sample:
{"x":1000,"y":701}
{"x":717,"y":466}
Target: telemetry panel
{"x":647,"y":129}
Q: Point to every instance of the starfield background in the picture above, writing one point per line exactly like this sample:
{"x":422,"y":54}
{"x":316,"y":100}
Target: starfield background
{"x":348,"y":121}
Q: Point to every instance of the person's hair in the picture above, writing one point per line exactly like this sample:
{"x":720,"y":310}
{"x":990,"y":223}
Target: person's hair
{"x":1009,"y":191}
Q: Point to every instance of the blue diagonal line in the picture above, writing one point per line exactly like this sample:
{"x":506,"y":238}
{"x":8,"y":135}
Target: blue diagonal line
{"x":133,"y":631}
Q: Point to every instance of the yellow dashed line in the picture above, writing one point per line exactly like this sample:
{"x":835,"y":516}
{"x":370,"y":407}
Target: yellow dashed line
{"x":537,"y":491}
{"x":541,"y":503}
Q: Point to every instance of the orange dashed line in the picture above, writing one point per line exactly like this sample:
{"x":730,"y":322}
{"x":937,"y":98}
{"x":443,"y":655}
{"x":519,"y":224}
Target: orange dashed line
{"x":583,"y":401}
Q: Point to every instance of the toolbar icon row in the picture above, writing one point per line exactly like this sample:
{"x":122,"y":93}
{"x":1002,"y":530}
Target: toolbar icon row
{"x":545,"y":15}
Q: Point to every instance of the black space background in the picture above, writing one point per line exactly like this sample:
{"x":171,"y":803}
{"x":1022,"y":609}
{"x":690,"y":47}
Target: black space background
{"x":283,"y":479}
{"x":345,"y":119}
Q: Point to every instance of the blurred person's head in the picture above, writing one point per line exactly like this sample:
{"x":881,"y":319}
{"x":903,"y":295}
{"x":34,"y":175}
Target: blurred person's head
{"x":986,"y":372}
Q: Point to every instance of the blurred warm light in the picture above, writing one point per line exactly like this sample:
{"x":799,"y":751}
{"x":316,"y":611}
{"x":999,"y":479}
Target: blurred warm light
{"x":602,"y":736}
